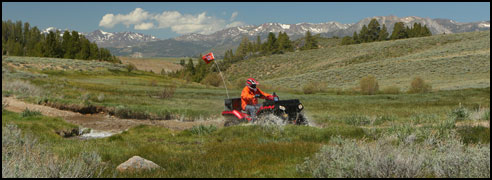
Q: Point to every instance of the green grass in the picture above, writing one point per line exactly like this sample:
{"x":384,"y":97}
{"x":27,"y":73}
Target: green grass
{"x":452,"y":61}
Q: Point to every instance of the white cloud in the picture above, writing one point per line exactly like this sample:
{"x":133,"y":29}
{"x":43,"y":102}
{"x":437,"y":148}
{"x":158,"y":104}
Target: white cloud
{"x":144,"y":26}
{"x":135,"y":17}
{"x":233,"y":16}
{"x":177,"y":22}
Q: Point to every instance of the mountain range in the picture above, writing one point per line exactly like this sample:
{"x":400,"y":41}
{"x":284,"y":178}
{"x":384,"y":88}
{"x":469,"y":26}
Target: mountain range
{"x":141,"y":45}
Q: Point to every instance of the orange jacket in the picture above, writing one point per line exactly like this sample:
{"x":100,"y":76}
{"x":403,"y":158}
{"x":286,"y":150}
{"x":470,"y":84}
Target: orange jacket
{"x":248,"y":96}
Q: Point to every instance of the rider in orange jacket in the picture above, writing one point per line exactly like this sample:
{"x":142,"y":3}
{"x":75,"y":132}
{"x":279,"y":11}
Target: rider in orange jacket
{"x":249,"y":101}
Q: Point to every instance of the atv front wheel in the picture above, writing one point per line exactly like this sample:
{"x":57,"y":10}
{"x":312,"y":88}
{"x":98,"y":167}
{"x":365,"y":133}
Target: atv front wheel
{"x":301,"y":120}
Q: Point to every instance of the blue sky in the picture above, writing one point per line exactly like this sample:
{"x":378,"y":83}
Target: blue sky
{"x":170,"y":19}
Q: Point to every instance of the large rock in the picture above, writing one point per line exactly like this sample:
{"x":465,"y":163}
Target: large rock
{"x":137,"y":163}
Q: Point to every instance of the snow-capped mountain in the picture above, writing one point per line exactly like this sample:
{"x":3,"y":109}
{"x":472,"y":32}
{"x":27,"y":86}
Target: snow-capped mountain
{"x":118,"y":39}
{"x":293,"y":30}
{"x":436,"y":26}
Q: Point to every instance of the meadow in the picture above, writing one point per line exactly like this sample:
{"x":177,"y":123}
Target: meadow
{"x":432,"y":134}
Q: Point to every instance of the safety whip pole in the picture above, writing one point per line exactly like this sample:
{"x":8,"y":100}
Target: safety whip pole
{"x":222,"y":79}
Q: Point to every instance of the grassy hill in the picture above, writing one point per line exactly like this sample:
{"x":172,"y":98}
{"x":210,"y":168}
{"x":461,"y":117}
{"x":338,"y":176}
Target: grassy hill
{"x":451,"y":61}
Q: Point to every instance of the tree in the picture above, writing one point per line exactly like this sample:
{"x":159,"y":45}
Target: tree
{"x":271,"y":45}
{"x":364,"y":34}
{"x":284,"y":42}
{"x":190,"y":67}
{"x":355,"y":38}
{"x":425,"y":31}
{"x":243,"y":47}
{"x":383,"y":34}
{"x":258,"y":44}
{"x":399,"y":31}
{"x":373,"y":31}
{"x":310,"y":42}
{"x":67,"y":45}
{"x":76,"y":44}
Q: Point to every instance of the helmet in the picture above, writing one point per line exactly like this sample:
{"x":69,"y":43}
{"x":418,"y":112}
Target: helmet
{"x":251,"y":83}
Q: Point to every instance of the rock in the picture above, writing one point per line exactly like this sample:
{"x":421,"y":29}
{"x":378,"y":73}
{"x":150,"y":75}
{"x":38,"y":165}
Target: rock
{"x":136,"y":163}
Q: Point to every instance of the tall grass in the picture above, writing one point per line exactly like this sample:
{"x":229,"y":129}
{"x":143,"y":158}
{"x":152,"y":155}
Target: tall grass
{"x":23,"y":156}
{"x":442,"y":158}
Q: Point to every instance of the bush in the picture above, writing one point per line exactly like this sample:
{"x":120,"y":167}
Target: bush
{"x":22,"y":87}
{"x":23,"y":156}
{"x":391,"y":90}
{"x":212,"y":79}
{"x":100,"y":98}
{"x":130,"y":67}
{"x":202,"y":130}
{"x":418,"y":85}
{"x":309,"y":88}
{"x":29,"y":113}
{"x":369,"y":85}
{"x":447,"y":157}
{"x":167,"y":92}
{"x":460,"y":113}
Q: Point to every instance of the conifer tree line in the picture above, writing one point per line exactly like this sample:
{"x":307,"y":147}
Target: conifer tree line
{"x":373,"y":32}
{"x":20,"y":39}
{"x":272,"y":45}
{"x":246,"y":49}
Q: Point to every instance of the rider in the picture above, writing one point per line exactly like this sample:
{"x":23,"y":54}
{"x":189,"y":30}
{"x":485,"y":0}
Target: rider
{"x":249,"y":101}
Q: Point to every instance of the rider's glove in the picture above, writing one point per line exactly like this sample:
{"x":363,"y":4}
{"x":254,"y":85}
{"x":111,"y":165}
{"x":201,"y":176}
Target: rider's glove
{"x":257,"y":95}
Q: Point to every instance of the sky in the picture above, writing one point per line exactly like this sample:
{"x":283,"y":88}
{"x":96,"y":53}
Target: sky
{"x":171,"y":19}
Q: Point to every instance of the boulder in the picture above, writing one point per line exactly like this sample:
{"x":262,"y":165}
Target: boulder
{"x":137,"y":163}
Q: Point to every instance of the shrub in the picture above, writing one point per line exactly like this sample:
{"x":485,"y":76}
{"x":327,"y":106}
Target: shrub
{"x":460,"y":113}
{"x":369,"y":85}
{"x":100,"y":98}
{"x":391,"y":90}
{"x":309,"y":88}
{"x":28,"y":113}
{"x":357,"y":120}
{"x":202,"y":130}
{"x":167,"y":92}
{"x":130,"y":67}
{"x":447,"y":157}
{"x":22,"y":88}
{"x":36,"y":161}
{"x":418,"y":85}
{"x":212,"y":79}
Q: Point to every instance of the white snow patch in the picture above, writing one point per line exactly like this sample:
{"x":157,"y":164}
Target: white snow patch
{"x":285,"y":26}
{"x":484,"y":25}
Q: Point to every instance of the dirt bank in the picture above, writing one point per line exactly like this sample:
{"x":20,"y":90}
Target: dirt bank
{"x":102,"y":122}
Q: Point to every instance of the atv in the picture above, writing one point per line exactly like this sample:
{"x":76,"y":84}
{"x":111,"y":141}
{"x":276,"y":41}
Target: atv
{"x":289,"y":111}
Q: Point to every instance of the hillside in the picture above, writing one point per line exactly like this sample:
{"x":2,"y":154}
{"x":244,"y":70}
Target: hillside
{"x":451,"y":61}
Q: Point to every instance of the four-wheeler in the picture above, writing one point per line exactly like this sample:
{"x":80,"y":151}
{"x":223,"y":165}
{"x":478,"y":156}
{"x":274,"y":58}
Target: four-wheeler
{"x":289,"y":111}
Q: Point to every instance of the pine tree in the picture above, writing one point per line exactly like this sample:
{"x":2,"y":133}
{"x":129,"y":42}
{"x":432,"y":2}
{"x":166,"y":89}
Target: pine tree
{"x":67,"y":45}
{"x":364,"y":34}
{"x":258,"y":44}
{"x":271,"y":45}
{"x":399,"y":31}
{"x":310,"y":42}
{"x":383,"y":34}
{"x":284,"y":42}
{"x":190,"y":67}
{"x":355,"y":38}
{"x":373,"y":31}
{"x":76,"y":45}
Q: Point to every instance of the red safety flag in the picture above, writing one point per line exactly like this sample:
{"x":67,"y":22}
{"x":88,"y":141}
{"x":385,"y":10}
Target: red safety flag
{"x":208,"y":57}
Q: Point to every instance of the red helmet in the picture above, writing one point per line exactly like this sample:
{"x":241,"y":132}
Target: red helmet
{"x":251,"y":83}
